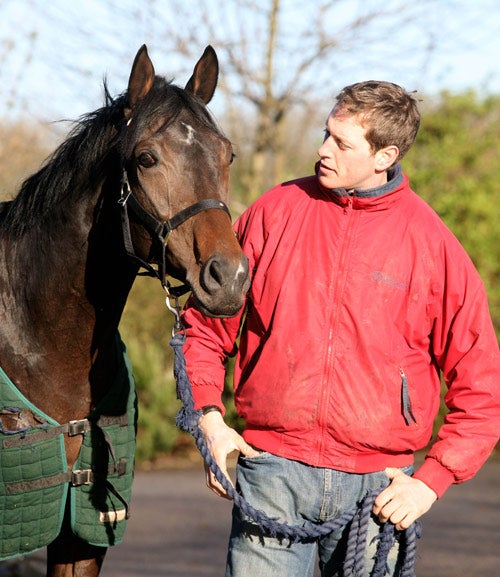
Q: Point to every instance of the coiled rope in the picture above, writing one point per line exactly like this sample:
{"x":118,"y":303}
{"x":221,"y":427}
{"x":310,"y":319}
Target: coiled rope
{"x":187,"y":419}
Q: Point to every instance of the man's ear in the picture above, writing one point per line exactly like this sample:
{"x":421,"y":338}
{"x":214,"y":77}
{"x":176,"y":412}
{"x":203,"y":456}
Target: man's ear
{"x":386,"y":157}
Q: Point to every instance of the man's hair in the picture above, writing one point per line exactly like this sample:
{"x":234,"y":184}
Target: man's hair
{"x":388,"y":112}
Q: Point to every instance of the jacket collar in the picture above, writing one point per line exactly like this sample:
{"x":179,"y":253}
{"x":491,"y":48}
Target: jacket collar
{"x":394,"y":181}
{"x":378,"y":198}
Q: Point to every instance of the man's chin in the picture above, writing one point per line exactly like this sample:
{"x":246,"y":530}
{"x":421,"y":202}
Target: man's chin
{"x":326,"y":181}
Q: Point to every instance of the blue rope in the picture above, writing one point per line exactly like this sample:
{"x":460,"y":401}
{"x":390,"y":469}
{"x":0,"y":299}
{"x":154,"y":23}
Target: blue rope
{"x":187,"y":419}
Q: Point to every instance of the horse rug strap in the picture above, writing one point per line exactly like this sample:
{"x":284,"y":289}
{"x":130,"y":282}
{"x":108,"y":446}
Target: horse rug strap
{"x":35,"y":482}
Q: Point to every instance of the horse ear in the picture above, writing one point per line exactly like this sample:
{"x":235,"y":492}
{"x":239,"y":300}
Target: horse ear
{"x":204,"y":79}
{"x":141,"y":79}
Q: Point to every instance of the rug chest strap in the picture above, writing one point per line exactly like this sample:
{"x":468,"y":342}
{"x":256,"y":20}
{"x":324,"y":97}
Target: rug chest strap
{"x":71,"y":429}
{"x":75,"y":478}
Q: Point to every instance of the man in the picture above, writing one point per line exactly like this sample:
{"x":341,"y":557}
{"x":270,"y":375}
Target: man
{"x":360,"y":299}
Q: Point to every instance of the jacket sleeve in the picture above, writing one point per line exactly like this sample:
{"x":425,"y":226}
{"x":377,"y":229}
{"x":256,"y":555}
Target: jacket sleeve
{"x":209,"y":343}
{"x":466,"y":350}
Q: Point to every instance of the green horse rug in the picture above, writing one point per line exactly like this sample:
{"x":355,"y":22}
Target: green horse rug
{"x":34,"y":479}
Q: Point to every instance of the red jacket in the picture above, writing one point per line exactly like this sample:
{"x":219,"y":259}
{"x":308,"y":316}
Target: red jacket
{"x":357,"y":304}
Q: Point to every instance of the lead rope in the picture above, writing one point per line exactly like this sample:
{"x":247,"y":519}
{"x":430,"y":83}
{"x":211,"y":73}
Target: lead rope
{"x":188,"y":420}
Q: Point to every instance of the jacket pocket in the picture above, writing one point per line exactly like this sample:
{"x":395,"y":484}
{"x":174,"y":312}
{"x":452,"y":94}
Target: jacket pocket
{"x":405,"y":399}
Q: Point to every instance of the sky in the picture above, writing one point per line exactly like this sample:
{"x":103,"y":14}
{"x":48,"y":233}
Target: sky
{"x":54,"y":55}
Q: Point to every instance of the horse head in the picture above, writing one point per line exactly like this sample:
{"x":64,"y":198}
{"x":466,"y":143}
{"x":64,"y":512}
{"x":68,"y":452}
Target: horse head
{"x":176,"y":182}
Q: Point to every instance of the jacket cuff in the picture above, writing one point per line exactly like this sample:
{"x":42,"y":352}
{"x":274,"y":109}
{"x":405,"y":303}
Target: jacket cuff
{"x":205,"y":395}
{"x":435,"y":476}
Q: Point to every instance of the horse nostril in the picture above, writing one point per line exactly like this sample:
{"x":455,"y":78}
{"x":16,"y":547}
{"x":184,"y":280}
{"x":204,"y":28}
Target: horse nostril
{"x":212,"y":276}
{"x":215,"y":272}
{"x":220,"y":274}
{"x":222,"y":286}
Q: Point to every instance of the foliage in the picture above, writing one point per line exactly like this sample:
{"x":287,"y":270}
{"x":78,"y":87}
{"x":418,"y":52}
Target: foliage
{"x":455,"y":166}
{"x":146,"y":328}
{"x":22,"y":150}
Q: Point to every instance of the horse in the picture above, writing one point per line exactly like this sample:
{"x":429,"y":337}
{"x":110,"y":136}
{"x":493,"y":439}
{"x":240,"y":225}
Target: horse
{"x":141,"y":182}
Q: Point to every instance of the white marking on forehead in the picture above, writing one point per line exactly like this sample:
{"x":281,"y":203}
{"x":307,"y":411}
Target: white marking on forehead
{"x":190,"y":133}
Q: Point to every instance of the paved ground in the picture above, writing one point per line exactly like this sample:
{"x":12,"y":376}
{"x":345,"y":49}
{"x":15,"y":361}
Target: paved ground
{"x":179,"y":529}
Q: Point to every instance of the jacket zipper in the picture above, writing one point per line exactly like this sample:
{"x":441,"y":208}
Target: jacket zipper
{"x":405,"y":399}
{"x":334,"y":315}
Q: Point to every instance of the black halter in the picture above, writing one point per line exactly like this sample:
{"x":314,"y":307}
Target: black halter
{"x":159,"y":231}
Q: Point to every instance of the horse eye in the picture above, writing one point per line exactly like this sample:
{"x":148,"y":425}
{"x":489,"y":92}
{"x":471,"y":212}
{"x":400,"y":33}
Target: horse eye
{"x":146,"y":159}
{"x":233,"y":156}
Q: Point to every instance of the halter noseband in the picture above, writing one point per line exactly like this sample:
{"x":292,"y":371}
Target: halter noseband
{"x":158,"y":230}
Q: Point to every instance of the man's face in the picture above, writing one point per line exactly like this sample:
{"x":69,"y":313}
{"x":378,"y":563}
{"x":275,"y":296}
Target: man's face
{"x":346,"y":159}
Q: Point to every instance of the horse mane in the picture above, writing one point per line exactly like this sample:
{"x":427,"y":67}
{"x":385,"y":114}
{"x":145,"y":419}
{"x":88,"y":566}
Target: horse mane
{"x":72,"y":163}
{"x":80,"y":163}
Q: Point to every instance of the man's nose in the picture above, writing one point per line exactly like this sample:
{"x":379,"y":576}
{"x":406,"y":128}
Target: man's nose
{"x":322,"y":150}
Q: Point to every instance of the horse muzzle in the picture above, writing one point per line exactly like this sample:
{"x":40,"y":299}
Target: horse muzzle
{"x":221,"y":287}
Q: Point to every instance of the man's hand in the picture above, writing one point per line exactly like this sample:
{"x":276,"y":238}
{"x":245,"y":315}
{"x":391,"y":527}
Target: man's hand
{"x":221,"y":441}
{"x":404,"y":500}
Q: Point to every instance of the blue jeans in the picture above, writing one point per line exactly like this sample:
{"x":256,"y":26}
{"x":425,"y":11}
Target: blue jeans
{"x":297,"y":494}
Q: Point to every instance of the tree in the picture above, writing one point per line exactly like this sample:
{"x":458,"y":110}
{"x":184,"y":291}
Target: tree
{"x":279,"y":58}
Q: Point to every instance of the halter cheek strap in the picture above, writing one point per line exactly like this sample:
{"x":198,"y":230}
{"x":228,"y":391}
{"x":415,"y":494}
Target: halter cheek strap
{"x":158,"y":230}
